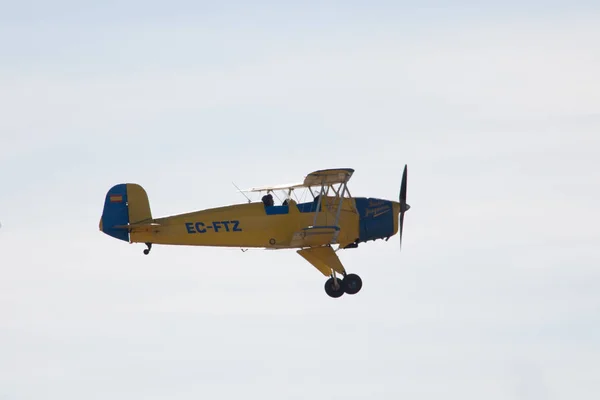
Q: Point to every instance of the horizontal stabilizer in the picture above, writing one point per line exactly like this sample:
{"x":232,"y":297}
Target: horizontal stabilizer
{"x":139,"y":226}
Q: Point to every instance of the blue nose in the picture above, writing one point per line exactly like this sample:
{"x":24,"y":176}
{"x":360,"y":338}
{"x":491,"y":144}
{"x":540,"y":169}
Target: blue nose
{"x":376,"y":218}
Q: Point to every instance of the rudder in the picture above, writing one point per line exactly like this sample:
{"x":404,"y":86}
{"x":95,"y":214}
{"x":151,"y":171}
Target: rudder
{"x":125,"y":203}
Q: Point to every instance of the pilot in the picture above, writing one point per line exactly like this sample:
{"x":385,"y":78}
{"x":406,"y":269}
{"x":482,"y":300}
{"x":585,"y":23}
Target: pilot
{"x":285,"y":202}
{"x":268,"y":200}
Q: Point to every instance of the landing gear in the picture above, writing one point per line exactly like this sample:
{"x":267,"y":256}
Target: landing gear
{"x":147,"y":251}
{"x":352,"y":284}
{"x":336,"y":287}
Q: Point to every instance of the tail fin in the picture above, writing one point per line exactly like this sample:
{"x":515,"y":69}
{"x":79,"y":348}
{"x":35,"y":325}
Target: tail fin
{"x":125,"y":204}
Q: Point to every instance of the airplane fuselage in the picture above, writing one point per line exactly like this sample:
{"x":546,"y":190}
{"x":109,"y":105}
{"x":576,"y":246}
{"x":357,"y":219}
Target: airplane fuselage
{"x":256,"y":225}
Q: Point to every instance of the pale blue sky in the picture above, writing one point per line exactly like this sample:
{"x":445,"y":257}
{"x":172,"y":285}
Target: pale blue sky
{"x":495,"y":108}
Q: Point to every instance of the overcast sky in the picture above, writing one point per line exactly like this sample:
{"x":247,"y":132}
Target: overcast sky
{"x":495,"y":108}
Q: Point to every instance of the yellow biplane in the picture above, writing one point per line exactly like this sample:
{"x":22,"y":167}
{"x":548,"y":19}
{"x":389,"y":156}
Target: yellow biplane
{"x":331,"y":216}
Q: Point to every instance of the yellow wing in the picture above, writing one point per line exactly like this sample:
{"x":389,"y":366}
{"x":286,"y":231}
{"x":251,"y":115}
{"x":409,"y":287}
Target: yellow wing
{"x":317,"y":178}
{"x":328,"y":177}
{"x":314,"y":236}
{"x":324,"y":259}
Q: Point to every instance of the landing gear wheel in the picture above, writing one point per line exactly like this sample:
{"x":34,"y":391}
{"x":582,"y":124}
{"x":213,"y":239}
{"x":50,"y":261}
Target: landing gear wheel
{"x":332,"y":290}
{"x":147,"y":251}
{"x":352,"y":284}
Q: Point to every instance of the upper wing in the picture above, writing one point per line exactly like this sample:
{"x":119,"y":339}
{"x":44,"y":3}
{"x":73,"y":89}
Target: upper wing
{"x":273,"y":187}
{"x":328,"y":177}
{"x":316,"y":178}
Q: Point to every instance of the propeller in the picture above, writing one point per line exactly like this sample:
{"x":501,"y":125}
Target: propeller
{"x":404,"y":207}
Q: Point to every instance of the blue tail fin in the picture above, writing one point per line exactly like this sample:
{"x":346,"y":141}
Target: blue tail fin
{"x":116,"y":213}
{"x":124,"y":204}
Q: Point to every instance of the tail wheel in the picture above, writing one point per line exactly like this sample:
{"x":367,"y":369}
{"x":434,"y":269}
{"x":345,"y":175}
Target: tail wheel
{"x":334,"y":289}
{"x":352,"y":284}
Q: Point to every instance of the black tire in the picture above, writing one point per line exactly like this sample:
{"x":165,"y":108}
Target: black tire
{"x":352,"y":284}
{"x":146,"y":251}
{"x":331,"y":290}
